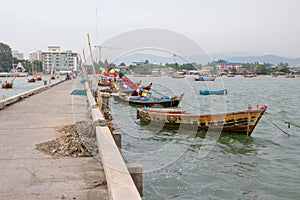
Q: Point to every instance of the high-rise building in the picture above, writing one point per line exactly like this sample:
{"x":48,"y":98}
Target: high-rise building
{"x":18,"y":55}
{"x":56,"y":60}
{"x":37,"y":55}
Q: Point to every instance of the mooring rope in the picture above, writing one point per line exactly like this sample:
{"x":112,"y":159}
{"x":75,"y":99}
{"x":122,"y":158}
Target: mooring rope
{"x":290,"y":123}
{"x":285,"y":121}
{"x":158,"y":194}
{"x":157,"y":92}
{"x":277,"y":126}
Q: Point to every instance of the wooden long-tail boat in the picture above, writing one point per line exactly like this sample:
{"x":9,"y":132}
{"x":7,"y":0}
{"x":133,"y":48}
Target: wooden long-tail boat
{"x":237,"y":122}
{"x":32,"y":80}
{"x":165,"y":101}
{"x":7,"y":85}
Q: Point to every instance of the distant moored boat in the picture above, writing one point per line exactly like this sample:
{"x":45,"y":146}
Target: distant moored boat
{"x":7,"y":85}
{"x":208,"y":92}
{"x":205,"y":78}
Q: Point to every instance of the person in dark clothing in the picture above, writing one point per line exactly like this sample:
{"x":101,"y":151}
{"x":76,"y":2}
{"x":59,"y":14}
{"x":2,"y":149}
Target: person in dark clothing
{"x":121,"y":75}
{"x":68,"y":77}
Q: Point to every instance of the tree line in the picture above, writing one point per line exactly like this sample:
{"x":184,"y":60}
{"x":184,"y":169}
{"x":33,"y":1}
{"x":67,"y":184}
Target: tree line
{"x":7,"y":60}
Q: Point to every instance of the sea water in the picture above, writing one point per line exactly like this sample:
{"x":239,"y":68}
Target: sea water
{"x":191,"y":165}
{"x":20,"y":84}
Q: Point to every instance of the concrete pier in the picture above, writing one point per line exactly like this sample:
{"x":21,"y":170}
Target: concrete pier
{"x":29,"y":174}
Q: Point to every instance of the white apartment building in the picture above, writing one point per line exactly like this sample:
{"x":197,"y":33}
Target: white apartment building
{"x":37,"y":55}
{"x":56,"y":60}
{"x":18,"y":55}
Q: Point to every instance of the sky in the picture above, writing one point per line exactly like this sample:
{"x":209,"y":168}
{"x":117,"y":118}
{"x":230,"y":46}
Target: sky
{"x":253,"y":26}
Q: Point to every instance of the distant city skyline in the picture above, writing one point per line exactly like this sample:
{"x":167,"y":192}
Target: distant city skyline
{"x":258,"y":27}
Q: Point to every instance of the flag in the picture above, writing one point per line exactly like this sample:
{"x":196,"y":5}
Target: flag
{"x":102,"y":70}
{"x":112,"y":71}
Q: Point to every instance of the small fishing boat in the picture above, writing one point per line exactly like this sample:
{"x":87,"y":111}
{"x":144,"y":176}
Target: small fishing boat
{"x":105,"y":81}
{"x":237,"y":122}
{"x":289,"y":75}
{"x":205,"y":78}
{"x":104,"y":84}
{"x":165,"y":101}
{"x":230,"y":75}
{"x":32,"y":80}
{"x":7,"y":85}
{"x":274,"y":74}
{"x":178,"y":76}
{"x":209,"y":92}
{"x":249,"y":75}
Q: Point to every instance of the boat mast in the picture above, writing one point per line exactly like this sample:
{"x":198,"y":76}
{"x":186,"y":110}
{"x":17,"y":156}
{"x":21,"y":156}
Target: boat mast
{"x":94,"y":71}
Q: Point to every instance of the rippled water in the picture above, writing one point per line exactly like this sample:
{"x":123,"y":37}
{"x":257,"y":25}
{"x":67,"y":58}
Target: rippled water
{"x":21,"y":85}
{"x":192,"y":165}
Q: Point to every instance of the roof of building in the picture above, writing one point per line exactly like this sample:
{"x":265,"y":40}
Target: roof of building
{"x":228,"y":63}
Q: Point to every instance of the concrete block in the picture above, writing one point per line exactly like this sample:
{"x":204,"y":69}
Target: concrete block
{"x":136,"y":172}
{"x":91,"y":98}
{"x":119,"y":182}
{"x":1,"y":105}
{"x":118,"y":139}
{"x":96,"y":114}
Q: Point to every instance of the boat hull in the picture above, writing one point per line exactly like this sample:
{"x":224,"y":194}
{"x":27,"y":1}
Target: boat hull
{"x":31,"y":80}
{"x":209,"y":92}
{"x":178,"y":76}
{"x":203,"y":78}
{"x":7,"y":86}
{"x":165,"y":103}
{"x":238,"y":122}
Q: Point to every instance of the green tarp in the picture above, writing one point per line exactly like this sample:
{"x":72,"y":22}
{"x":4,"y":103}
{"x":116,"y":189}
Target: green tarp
{"x":78,"y":92}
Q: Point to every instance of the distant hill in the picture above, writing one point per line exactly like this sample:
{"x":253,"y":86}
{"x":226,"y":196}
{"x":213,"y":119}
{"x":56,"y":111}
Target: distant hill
{"x":242,"y":57}
{"x":226,"y":55}
{"x":267,"y":59}
{"x":203,"y":59}
{"x":136,"y":57}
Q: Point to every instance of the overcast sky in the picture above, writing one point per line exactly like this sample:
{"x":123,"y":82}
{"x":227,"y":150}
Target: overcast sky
{"x":255,"y":26}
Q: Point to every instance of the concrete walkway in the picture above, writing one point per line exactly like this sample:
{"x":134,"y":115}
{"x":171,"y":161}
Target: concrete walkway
{"x":26,"y":173}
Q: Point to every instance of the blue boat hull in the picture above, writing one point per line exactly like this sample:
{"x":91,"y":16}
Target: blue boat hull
{"x":208,"y":92}
{"x":203,"y":78}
